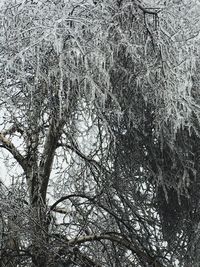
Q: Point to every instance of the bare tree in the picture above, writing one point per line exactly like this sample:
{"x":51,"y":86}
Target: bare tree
{"x":103,"y":129}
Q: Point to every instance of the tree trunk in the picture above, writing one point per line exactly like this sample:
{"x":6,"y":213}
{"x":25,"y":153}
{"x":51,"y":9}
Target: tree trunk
{"x":40,"y":246}
{"x":38,"y":223}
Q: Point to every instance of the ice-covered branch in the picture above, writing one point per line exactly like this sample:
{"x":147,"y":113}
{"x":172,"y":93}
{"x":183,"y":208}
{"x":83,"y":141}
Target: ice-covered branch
{"x":9,"y":146}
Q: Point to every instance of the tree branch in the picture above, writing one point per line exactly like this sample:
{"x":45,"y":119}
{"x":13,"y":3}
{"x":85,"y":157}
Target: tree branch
{"x":52,"y":208}
{"x":121,"y":240}
{"x":8,"y":145}
{"x":12,"y":130}
{"x":151,"y":11}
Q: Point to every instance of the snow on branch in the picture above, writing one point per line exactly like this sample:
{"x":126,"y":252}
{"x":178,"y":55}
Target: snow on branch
{"x":8,"y":145}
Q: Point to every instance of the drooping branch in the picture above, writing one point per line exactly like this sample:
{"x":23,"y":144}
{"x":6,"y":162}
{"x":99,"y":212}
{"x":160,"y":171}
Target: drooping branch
{"x":68,"y":197}
{"x":144,"y":257}
{"x":93,"y":200}
{"x":141,"y":253}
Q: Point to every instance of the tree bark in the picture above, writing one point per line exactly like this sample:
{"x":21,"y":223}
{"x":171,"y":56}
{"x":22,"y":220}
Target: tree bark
{"x":39,"y":226}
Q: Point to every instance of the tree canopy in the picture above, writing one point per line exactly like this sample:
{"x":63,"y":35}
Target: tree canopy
{"x":100,"y":119}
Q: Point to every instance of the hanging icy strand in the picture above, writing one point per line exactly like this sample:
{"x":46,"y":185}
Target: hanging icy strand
{"x":60,"y":92}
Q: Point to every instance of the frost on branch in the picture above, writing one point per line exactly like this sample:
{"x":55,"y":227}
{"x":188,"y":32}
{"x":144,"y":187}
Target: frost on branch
{"x":102,"y":100}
